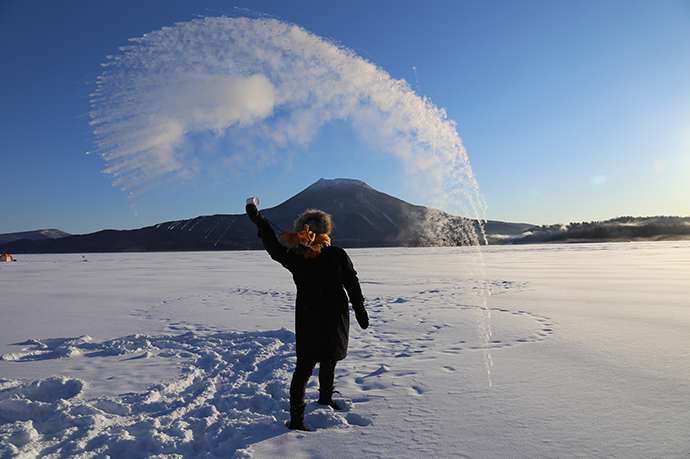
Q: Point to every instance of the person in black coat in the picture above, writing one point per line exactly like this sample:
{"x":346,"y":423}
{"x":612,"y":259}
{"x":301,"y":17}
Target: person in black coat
{"x":325,"y":280}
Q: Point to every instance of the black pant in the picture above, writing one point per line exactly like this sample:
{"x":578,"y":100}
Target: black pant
{"x":301,"y":376}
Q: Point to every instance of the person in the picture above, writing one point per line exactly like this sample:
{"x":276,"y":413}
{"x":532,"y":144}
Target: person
{"x":325,"y":280}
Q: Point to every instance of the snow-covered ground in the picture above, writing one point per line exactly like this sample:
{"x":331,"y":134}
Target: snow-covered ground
{"x":581,"y":351}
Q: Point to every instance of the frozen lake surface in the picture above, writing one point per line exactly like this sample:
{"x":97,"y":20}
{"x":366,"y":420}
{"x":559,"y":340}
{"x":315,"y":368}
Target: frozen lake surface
{"x":581,"y":351}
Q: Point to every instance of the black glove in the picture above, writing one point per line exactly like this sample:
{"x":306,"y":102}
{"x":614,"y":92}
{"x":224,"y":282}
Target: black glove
{"x":252,"y":210}
{"x":252,"y":213}
{"x":362,"y":317}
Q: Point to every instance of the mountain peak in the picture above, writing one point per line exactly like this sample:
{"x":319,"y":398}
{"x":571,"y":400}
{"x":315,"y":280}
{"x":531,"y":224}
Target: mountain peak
{"x":324,"y":183}
{"x":364,"y":217}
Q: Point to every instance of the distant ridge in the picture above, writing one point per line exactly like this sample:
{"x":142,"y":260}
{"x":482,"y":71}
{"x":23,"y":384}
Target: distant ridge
{"x":36,"y":235}
{"x":656,"y":228}
{"x":364,"y":217}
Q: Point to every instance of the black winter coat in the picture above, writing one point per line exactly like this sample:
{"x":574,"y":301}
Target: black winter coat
{"x":322,"y":316}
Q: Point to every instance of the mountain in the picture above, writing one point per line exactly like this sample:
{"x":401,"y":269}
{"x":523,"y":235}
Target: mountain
{"x":363,"y":216}
{"x":36,"y":235}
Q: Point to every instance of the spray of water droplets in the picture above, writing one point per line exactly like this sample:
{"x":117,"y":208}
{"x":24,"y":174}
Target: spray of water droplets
{"x":268,"y":86}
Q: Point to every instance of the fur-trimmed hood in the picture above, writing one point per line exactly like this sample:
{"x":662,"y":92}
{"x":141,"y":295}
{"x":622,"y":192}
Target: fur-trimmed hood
{"x":319,"y":221}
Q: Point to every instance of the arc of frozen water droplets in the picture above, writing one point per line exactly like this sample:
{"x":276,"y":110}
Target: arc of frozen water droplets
{"x":270,"y":85}
{"x":272,"y":82}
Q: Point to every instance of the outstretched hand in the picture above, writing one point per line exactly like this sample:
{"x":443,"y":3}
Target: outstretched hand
{"x":362,"y":317}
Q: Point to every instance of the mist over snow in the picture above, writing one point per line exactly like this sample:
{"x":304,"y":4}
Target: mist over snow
{"x":264,"y":86}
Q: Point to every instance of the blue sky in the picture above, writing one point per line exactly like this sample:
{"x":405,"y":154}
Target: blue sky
{"x":569,"y":110}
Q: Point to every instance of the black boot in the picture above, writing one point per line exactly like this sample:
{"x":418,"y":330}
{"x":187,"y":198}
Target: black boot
{"x":326,"y":398}
{"x":297,"y":419}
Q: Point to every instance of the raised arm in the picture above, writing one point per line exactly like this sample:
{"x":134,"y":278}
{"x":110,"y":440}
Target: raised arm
{"x":354,"y":291}
{"x":275,"y":249}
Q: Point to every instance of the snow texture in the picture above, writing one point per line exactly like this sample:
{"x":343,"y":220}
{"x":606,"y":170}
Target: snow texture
{"x":190,"y":355}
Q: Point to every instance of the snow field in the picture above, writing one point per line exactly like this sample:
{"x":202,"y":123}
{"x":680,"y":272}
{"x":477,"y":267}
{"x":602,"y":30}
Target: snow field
{"x":172,"y":355}
{"x":232,"y":391}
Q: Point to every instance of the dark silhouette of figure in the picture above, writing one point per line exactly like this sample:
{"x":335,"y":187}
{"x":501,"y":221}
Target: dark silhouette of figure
{"x":325,"y":280}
